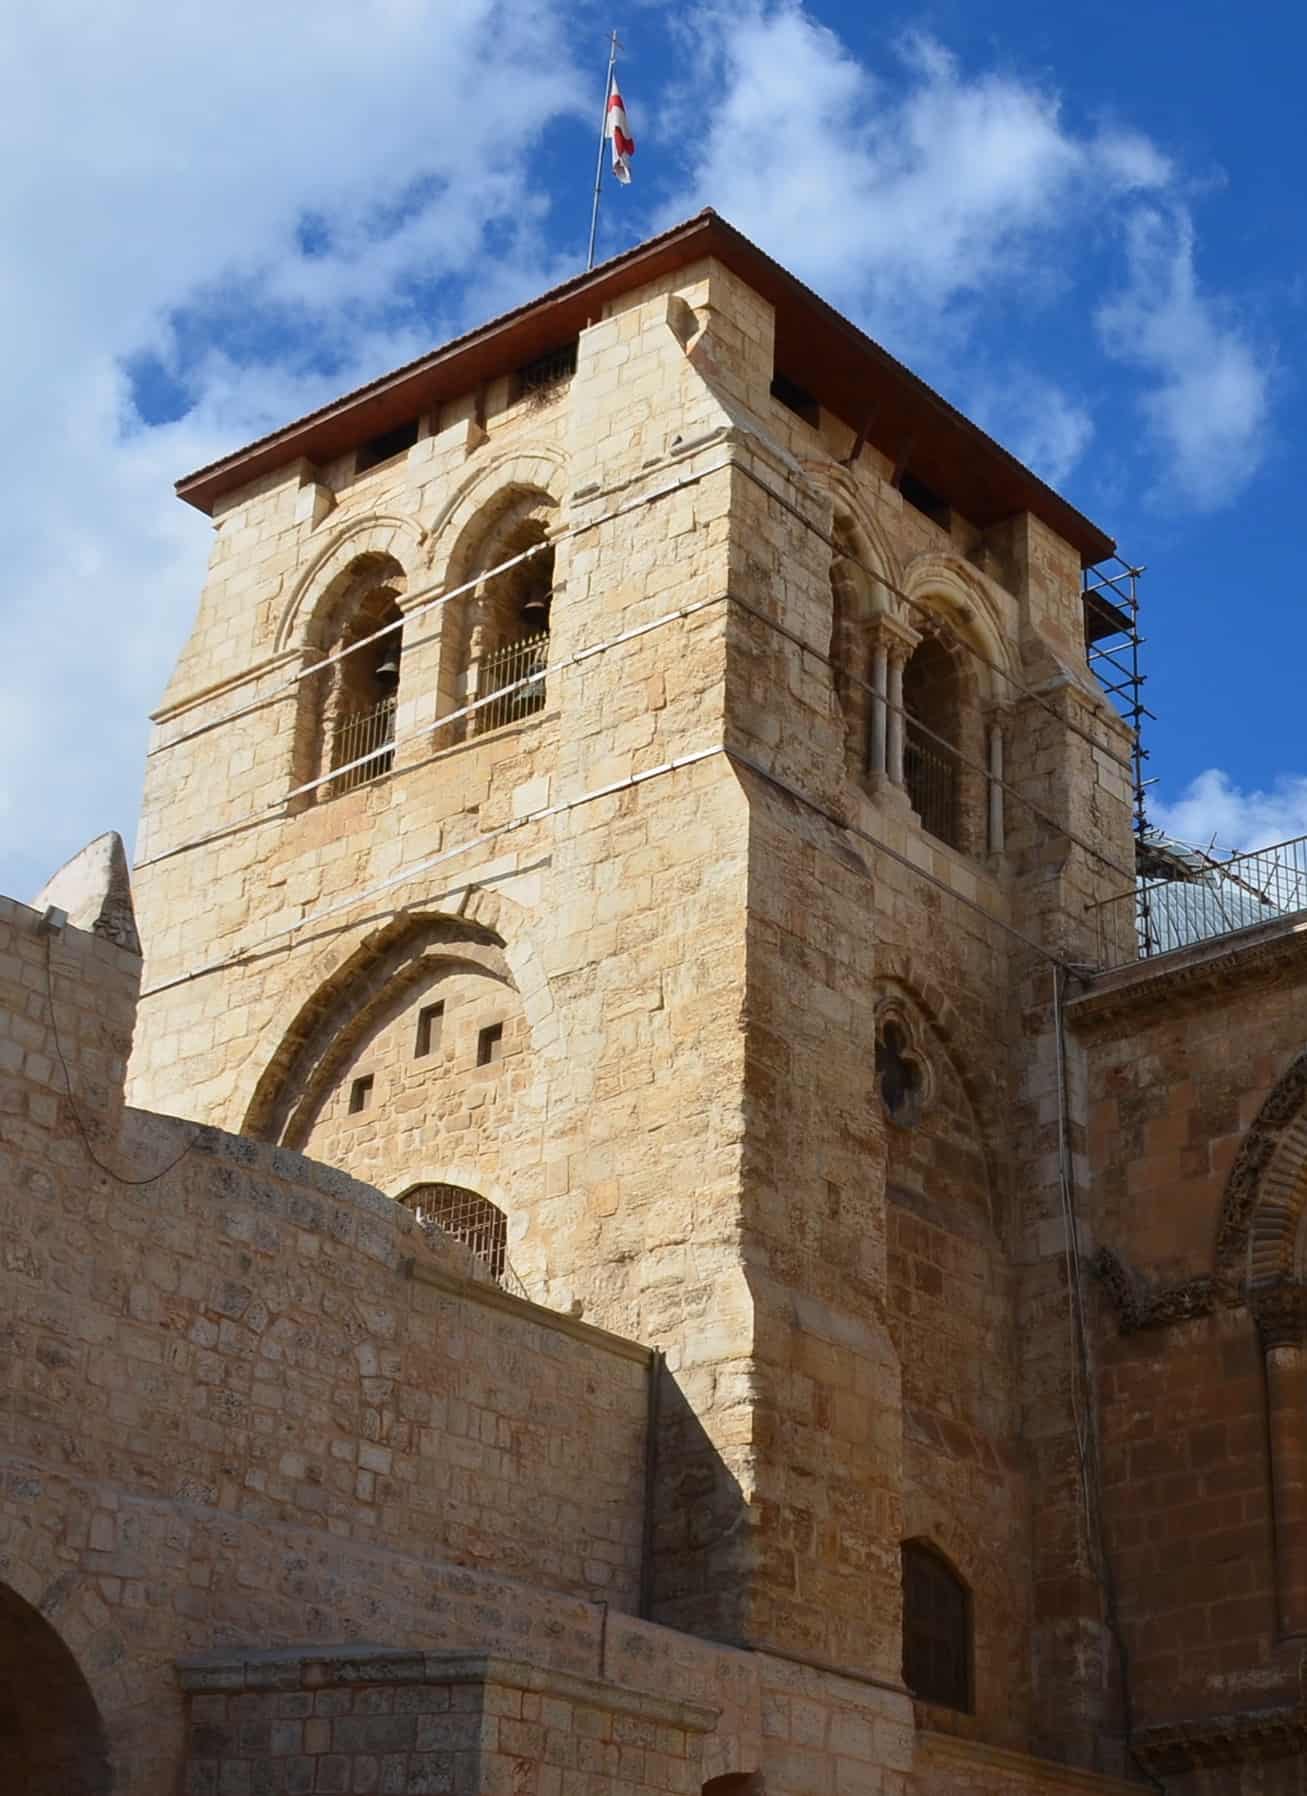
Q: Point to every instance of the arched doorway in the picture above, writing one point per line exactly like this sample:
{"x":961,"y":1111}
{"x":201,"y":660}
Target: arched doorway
{"x":51,"y":1737}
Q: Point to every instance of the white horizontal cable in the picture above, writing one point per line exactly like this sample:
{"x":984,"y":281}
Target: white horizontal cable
{"x":921,"y":607}
{"x":662,"y":492}
{"x":265,"y":943}
{"x":265,"y":812}
{"x":853,"y":829}
{"x":239,"y":955}
{"x":288,"y":685}
{"x":963,"y":760}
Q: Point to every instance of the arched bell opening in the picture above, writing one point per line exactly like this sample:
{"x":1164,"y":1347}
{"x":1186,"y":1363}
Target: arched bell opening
{"x":495,"y":637}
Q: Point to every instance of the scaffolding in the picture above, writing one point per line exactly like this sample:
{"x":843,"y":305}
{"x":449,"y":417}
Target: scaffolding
{"x":1110,"y":594}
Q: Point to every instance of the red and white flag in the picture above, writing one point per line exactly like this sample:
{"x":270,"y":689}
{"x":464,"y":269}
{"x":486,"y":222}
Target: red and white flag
{"x":623,"y":142}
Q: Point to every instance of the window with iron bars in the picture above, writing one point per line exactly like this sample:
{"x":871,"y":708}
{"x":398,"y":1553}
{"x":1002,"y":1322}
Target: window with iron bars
{"x":365,"y":737}
{"x":936,"y":1629}
{"x":930,"y":773}
{"x":519,"y":668}
{"x":470,"y":1218}
{"x":538,"y":379}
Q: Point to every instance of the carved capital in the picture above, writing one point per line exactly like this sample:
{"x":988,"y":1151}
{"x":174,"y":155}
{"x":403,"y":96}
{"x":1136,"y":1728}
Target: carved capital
{"x":893,"y":635}
{"x":1280,"y":1312}
{"x":1139,"y":1307}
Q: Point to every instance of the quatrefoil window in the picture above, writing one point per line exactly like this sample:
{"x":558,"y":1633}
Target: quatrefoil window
{"x":899,"y":1075}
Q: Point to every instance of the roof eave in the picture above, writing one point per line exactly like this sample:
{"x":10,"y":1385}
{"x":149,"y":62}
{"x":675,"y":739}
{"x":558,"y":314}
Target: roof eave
{"x":509,"y":341}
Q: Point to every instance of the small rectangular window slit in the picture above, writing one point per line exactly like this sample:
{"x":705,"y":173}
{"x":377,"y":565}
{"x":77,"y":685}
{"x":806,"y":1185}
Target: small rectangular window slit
{"x":429,"y":1021}
{"x":490,"y":1043}
{"x":360,"y":1094}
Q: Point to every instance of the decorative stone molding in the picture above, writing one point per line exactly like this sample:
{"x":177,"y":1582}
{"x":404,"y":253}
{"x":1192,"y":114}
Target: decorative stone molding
{"x":1001,"y":1768}
{"x":952,"y":590}
{"x":1112,"y":1004}
{"x":1138,"y":1308}
{"x":902,"y":1060}
{"x":1179,"y":1746}
{"x":1267,"y":1187}
{"x":1280,"y":1312}
{"x":473,"y":508}
{"x":845,"y":491}
{"x":392,"y":535}
{"x":236,"y":1669}
{"x":897,"y":638}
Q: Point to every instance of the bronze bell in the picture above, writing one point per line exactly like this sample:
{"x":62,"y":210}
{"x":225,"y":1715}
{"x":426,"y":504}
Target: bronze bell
{"x":535,"y":610}
{"x":387,"y":669}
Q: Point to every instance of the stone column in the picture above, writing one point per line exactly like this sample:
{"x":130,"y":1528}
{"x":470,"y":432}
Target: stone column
{"x":1281,"y":1314}
{"x":892,"y":643}
{"x":994,"y":758}
{"x":879,"y":688}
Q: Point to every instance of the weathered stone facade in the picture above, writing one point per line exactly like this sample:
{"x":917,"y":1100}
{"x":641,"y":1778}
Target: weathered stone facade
{"x":683,"y":902}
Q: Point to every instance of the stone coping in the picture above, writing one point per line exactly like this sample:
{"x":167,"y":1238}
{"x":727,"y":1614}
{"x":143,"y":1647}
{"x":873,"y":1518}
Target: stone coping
{"x":494,"y":1297}
{"x":1164,"y":979}
{"x":1039,"y":1774}
{"x":1249,"y":1738}
{"x":301,"y":1176}
{"x":230,"y":1670}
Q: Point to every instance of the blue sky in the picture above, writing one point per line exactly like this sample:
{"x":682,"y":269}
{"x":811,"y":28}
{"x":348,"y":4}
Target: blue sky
{"x":1083,"y":224}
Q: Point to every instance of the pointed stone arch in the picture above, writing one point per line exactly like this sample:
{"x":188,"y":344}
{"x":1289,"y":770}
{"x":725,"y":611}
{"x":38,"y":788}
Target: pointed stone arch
{"x":849,"y":503}
{"x":936,"y":1029}
{"x":1261,"y":1220}
{"x":946,"y":587}
{"x":475,"y":505}
{"x":101,"y":1698}
{"x":486,"y":933}
{"x":387,"y":536}
{"x":498,"y":630}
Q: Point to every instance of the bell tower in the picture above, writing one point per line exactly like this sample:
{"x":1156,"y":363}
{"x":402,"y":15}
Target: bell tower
{"x":637,"y":768}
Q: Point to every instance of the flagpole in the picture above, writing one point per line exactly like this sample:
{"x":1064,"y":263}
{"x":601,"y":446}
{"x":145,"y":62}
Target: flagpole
{"x":599,"y":159}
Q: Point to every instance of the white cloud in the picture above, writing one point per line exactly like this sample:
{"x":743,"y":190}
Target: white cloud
{"x":264,"y":212}
{"x":918,"y":196}
{"x":1207,"y":405}
{"x":1213,"y":809}
{"x":1036,"y":420}
{"x":161,"y":166}
{"x":897,"y":194}
{"x":1133,"y":163}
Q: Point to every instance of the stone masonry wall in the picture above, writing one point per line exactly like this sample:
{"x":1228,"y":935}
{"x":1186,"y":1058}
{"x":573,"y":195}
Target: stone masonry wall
{"x":222,"y":1386}
{"x":703,"y":917}
{"x":234,"y":1418}
{"x":280,"y":1723}
{"x":1195,"y":1077}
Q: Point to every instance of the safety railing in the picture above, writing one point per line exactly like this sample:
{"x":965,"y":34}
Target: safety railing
{"x":514,"y":675}
{"x":1202,"y":899}
{"x":362,"y":745}
{"x":930,"y":774}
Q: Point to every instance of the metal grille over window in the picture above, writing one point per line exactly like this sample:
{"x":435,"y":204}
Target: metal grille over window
{"x":936,"y":1629}
{"x":519,"y":666}
{"x":932,"y":704}
{"x":930,"y":774}
{"x":366,"y":733}
{"x":468,"y":1217}
{"x":540,"y":377}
